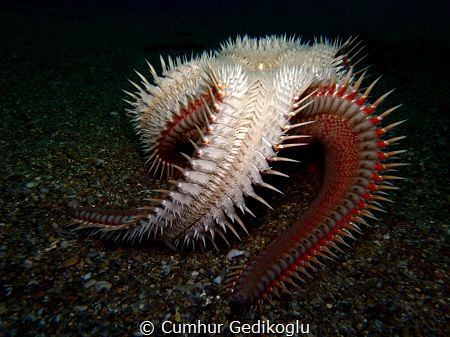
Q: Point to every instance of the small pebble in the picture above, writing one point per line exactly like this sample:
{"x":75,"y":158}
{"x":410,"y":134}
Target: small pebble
{"x":64,"y":244}
{"x":80,"y":307}
{"x":379,"y":325}
{"x":71,"y":262}
{"x":235,"y":253}
{"x":101,"y":285}
{"x":380,"y":283}
{"x":90,"y":283}
{"x":218,"y":280}
{"x":86,"y":277}
{"x":27,"y":264}
{"x":166,"y":268}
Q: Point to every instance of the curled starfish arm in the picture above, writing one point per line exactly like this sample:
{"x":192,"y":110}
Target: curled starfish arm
{"x":353,"y":184}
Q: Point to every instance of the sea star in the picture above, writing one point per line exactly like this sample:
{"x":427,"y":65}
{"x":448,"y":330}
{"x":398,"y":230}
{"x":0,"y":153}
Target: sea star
{"x":215,"y":124}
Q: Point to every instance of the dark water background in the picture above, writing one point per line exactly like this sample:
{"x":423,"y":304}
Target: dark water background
{"x":63,"y":132}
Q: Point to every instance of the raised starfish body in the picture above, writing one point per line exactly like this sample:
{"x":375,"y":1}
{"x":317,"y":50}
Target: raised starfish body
{"x":215,"y":124}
